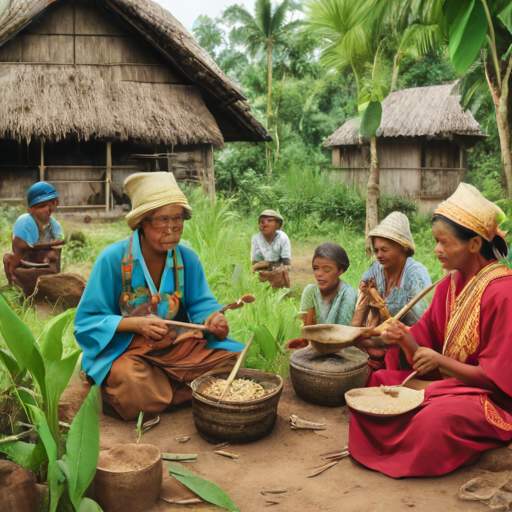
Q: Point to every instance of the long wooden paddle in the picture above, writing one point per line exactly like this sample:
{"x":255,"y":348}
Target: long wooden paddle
{"x":234,"y":371}
{"x":346,"y":335}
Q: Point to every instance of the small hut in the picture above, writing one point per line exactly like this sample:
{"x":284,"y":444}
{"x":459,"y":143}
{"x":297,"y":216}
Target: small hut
{"x":94,"y":90}
{"x":422,"y":145}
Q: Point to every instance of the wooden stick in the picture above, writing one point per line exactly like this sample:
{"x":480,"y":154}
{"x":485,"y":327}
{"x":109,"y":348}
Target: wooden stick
{"x":234,"y":371}
{"x":192,"y":327}
{"x":415,"y":301}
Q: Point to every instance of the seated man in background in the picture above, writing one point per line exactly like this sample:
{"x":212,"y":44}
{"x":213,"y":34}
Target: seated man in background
{"x":271,"y":250}
{"x":34,"y":238}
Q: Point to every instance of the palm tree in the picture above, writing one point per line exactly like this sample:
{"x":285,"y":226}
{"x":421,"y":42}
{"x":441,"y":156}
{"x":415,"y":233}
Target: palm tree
{"x":360,"y":35}
{"x":262,"y":32}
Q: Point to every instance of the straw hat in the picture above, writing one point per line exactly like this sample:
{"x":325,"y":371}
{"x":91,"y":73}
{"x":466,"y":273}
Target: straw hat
{"x":395,"y":227}
{"x":271,"y":213}
{"x":149,"y":191}
{"x":469,"y":208}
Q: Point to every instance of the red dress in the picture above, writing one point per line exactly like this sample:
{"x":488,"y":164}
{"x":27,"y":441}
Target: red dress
{"x":456,"y":421}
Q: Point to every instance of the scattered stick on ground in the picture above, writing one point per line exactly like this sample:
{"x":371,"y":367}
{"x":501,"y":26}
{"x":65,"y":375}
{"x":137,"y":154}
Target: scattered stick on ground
{"x":298,"y":424}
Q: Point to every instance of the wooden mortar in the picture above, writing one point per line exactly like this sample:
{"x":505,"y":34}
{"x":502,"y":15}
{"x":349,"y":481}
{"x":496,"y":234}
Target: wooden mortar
{"x":128,"y":478}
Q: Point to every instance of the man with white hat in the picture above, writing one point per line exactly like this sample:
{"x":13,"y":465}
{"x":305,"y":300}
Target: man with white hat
{"x":141,"y":361}
{"x":271,"y":250}
{"x":36,"y":236}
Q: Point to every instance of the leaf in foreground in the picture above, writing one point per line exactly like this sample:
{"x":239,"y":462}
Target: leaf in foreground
{"x":30,"y":456}
{"x":203,"y":488}
{"x":83,"y":446}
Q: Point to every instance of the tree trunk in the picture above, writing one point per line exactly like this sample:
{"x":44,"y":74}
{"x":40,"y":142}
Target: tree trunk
{"x":269,"y":98}
{"x":372,"y":193}
{"x":502,"y":121}
{"x":269,"y":83}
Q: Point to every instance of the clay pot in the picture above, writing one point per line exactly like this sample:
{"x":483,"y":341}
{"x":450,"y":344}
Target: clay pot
{"x":128,"y":478}
{"x":236,"y":422}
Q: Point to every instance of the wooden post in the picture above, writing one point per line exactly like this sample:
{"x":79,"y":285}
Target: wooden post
{"x":41,"y":168}
{"x":108,"y":179}
{"x":209,"y":172}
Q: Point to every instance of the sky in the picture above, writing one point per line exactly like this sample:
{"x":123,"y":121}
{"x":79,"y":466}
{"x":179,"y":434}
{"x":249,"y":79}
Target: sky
{"x":186,"y":11}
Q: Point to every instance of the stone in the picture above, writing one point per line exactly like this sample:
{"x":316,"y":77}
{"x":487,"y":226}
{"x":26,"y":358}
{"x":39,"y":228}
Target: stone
{"x":61,"y":290}
{"x":496,"y":460}
{"x":18,"y":491}
{"x":484,"y":487}
{"x":501,"y":501}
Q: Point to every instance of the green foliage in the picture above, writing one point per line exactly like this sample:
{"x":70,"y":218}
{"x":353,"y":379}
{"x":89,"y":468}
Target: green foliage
{"x":206,"y":490}
{"x":468,"y":28}
{"x":370,"y":120}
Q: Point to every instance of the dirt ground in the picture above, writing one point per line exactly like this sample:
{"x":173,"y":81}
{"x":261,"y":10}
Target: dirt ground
{"x":282,"y":460}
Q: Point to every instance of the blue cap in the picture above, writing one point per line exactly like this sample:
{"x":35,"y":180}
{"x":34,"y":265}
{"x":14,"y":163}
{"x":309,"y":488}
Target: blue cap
{"x":41,"y":192}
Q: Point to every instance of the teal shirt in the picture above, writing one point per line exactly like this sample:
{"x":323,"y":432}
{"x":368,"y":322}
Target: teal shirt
{"x":339,"y":310}
{"x":99,"y":313}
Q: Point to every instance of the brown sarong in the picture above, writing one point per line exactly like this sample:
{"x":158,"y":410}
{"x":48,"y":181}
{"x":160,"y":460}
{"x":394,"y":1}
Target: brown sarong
{"x":151,"y":375}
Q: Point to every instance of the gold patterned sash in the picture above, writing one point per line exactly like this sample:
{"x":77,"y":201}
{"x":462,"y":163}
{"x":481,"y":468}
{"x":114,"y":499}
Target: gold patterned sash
{"x":462,"y":330}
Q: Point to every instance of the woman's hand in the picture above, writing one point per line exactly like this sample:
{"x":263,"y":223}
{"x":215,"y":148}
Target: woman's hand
{"x":151,"y":327}
{"x":394,"y":333}
{"x":371,"y":346}
{"x":425,"y":360}
{"x":218,"y":325}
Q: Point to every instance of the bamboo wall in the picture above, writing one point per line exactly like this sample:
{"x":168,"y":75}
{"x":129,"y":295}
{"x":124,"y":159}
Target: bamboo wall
{"x":427,"y":171}
{"x":75,"y":33}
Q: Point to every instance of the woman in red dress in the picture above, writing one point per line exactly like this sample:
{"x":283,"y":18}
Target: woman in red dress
{"x":461,"y":349}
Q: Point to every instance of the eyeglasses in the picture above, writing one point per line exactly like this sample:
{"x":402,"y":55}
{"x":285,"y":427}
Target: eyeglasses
{"x":164,"y":221}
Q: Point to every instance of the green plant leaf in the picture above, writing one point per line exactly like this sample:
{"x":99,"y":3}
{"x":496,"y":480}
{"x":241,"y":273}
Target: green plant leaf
{"x":56,"y":480}
{"x":505,"y":16}
{"x":83,"y":446}
{"x":206,"y":490}
{"x":30,"y":456}
{"x":88,"y":505}
{"x":50,"y":339}
{"x":22,"y":344}
{"x":468,"y":30}
{"x":55,"y":475}
{"x":10,"y":363}
{"x":371,"y":118}
{"x":44,"y":433}
{"x":266,"y":342}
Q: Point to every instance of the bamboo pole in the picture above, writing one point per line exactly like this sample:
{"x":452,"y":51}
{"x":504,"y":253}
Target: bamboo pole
{"x":108,"y":178}
{"x":41,"y":168}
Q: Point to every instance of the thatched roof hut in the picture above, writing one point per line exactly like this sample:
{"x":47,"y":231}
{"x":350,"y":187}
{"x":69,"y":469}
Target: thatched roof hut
{"x":124,"y":72}
{"x":433,"y":112}
{"x":422,"y":143}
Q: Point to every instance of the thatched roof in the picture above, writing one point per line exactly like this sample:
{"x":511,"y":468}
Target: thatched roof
{"x":157,"y":26}
{"x":432,"y":112}
{"x":51,"y":101}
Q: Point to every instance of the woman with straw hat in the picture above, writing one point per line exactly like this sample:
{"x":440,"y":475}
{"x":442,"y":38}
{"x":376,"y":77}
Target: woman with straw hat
{"x":390,"y":283}
{"x":461,"y":349}
{"x":141,"y":362}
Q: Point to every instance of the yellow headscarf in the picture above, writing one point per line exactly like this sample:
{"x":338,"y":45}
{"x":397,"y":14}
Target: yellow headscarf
{"x":470,"y":209}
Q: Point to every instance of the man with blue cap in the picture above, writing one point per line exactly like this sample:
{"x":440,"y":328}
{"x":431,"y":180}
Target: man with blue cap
{"x":35,"y":236}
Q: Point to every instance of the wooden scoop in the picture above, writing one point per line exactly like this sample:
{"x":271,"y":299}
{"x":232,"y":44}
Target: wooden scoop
{"x":344,"y":335}
{"x":244,"y":299}
{"x":234,"y":371}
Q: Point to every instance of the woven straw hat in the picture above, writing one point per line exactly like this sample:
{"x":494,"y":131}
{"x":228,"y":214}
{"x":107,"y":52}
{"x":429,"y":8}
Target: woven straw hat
{"x":470,"y":209}
{"x":271,"y":213}
{"x":395,"y":227}
{"x":149,"y":191}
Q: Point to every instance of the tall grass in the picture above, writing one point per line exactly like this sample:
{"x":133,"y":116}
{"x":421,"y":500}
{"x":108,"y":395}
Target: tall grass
{"x":316,"y":208}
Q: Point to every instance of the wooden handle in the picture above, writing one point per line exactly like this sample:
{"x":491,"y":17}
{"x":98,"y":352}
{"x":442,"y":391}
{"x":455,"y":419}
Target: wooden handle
{"x":192,"y":327}
{"x":234,"y":371}
{"x":415,"y":301}
{"x":382,"y":327}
